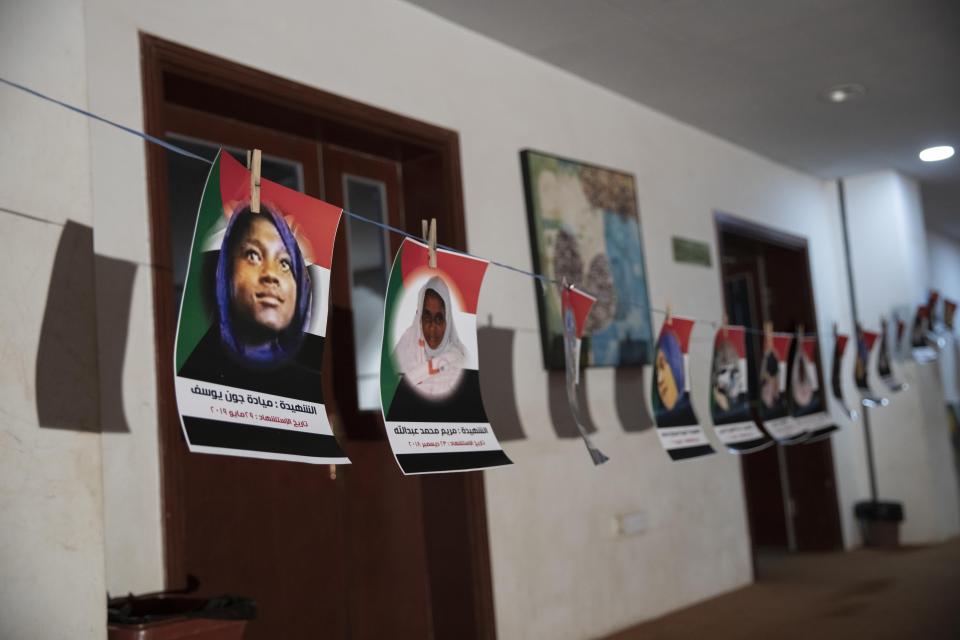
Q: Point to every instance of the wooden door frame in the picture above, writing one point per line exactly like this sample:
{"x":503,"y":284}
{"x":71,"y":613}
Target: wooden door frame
{"x":425,"y":150}
{"x":725,"y":223}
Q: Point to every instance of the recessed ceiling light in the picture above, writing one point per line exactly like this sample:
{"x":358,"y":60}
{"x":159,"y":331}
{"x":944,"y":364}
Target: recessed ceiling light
{"x":843,"y":92}
{"x":933,"y":154}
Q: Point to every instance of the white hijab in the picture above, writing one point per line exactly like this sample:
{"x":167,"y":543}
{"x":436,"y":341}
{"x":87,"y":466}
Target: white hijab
{"x":450,"y":339}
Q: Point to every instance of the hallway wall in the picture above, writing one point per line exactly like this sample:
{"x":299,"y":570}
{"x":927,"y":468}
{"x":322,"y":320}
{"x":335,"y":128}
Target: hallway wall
{"x":559,"y":568}
{"x":914,"y":460}
{"x":51,"y":505}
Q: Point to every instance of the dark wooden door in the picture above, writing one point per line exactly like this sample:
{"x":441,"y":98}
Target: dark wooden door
{"x":388,"y":586}
{"x":363,"y":552}
{"x":763,"y":489}
{"x":790,"y":490}
{"x":264,"y":529}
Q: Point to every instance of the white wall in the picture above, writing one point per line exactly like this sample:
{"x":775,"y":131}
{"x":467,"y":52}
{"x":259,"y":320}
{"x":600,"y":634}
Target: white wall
{"x":558,"y":569}
{"x":913,"y":456}
{"x":51,"y":526}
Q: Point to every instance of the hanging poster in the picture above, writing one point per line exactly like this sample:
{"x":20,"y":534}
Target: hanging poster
{"x":250,"y":334}
{"x":677,"y":427}
{"x":884,"y":364}
{"x":899,"y":350}
{"x":807,"y":402}
{"x":429,"y":377}
{"x":774,"y":401}
{"x":839,"y":346}
{"x":730,"y":395}
{"x":576,"y":307}
{"x":920,"y":343}
{"x":865,"y":342}
{"x":921,"y":326}
{"x":932,"y":298}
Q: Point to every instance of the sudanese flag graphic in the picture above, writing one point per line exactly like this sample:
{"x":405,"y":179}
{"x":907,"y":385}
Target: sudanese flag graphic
{"x":730,"y":406}
{"x":807,"y":401}
{"x":680,"y":434}
{"x":865,"y":342}
{"x":252,"y":322}
{"x":429,"y":378}
{"x":774,"y":404}
{"x":575,"y":306}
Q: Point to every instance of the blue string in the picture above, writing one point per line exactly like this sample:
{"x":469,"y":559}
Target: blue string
{"x":145,"y":136}
{"x":183,"y":152}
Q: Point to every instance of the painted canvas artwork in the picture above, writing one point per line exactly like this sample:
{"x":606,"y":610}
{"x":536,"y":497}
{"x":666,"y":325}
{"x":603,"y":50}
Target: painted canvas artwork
{"x":584,"y":226}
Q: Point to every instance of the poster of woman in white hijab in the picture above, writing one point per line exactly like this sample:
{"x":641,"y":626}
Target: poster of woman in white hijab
{"x":730,"y":394}
{"x":774,"y":402}
{"x":807,"y":402}
{"x":253,"y":320}
{"x":680,"y":434}
{"x":429,"y":378}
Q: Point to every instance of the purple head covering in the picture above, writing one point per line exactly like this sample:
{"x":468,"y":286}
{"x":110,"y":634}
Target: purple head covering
{"x":670,"y":346}
{"x":286,"y":343}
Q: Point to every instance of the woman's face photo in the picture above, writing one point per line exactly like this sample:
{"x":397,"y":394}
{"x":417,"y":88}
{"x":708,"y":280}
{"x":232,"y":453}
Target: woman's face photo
{"x":263,"y":289}
{"x":667,"y":387}
{"x":770,"y":380}
{"x":802,"y":381}
{"x":433,"y":320}
{"x":727,"y":382}
{"x":429,"y":353}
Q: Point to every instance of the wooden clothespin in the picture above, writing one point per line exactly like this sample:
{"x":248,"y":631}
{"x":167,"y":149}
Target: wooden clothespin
{"x":668,"y":319}
{"x":430,"y":237}
{"x":333,"y":472}
{"x":253,"y":163}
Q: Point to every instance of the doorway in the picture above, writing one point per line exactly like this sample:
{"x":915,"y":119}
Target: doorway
{"x":790,"y":490}
{"x":363,"y":552}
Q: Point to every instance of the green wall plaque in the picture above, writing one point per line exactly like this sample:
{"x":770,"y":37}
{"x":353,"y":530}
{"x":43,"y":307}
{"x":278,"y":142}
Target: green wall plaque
{"x":691,"y":251}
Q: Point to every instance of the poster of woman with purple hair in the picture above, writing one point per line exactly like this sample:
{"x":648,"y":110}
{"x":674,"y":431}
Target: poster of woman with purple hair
{"x":680,"y":434}
{"x":253,"y":316}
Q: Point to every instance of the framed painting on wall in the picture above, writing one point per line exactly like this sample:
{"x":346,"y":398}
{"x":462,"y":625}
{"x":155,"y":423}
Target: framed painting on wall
{"x":585,"y":227}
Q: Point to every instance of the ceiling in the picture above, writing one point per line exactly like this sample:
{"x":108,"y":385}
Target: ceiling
{"x":751,"y":71}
